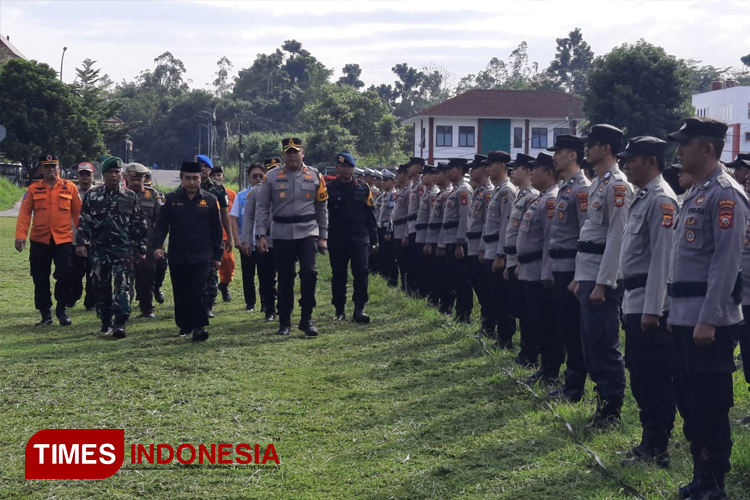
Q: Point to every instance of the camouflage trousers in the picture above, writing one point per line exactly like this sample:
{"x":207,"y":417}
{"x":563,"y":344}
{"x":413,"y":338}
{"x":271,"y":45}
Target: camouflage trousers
{"x":211,"y":290}
{"x":111,"y":301}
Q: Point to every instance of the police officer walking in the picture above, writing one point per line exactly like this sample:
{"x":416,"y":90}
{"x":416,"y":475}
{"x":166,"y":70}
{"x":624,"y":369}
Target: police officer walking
{"x":705,"y":309}
{"x":191,"y":218}
{"x":112,"y":232}
{"x":644,"y":262}
{"x":54,"y":206}
{"x":352,"y":236}
{"x":295,"y":196}
{"x":597,"y":273}
{"x":571,"y":211}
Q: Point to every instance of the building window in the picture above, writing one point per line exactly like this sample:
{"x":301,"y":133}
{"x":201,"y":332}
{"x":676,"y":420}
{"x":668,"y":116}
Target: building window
{"x":560,"y":131}
{"x":444,"y":136}
{"x":538,"y":138}
{"x":465,"y":137}
{"x":518,"y":137}
{"x":748,"y":110}
{"x":747,"y":136}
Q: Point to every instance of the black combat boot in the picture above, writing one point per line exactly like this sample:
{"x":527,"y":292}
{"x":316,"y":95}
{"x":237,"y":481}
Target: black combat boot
{"x":46,"y":318}
{"x":359,"y":314}
{"x":225,"y":295}
{"x":62,"y":315}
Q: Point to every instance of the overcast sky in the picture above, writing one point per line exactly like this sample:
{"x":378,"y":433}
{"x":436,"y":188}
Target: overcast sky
{"x":460,"y":36}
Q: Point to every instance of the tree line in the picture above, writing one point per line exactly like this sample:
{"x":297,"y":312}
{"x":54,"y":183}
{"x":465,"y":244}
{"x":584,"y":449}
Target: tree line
{"x":242,"y":118}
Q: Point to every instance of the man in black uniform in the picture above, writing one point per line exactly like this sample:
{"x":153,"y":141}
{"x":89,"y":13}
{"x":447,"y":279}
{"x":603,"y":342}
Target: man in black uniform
{"x":191,"y":217}
{"x":352,"y":234}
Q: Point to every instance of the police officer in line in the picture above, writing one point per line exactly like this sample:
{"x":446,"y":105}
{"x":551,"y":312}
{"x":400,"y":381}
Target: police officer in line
{"x":243,"y":216}
{"x":228,"y":265}
{"x":644,"y":262}
{"x":400,"y":217}
{"x":160,"y":265}
{"x":416,"y":190}
{"x":191,"y":217}
{"x":452,"y":242}
{"x":80,"y":264}
{"x":534,"y":271}
{"x":352,"y":236}
{"x":113,"y":234}
{"x":478,"y":273}
{"x":423,"y":265}
{"x":295,"y":197}
{"x":521,"y":178}
{"x":437,"y":262}
{"x":54,"y":206}
{"x":219,"y":191}
{"x":371,"y":179}
{"x":705,"y":301}
{"x":144,"y":270}
{"x":571,"y":211}
{"x":597,"y":279}
{"x":491,"y":250}
{"x":387,"y":251}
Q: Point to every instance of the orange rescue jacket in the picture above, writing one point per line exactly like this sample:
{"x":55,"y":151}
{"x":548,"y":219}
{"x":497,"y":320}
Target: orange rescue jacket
{"x":55,"y":211}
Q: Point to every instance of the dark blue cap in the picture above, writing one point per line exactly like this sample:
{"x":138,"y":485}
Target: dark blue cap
{"x":346,"y":158}
{"x":206,"y":160}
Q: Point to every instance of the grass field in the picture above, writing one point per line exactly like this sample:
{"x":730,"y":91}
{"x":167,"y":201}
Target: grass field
{"x":9,"y":194}
{"x":408,"y":407}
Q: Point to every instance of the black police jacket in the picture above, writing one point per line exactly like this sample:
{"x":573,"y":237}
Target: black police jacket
{"x":351,"y":213}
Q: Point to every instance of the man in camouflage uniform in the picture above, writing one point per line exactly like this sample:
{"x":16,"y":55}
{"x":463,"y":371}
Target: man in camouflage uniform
{"x":144,"y":270}
{"x":112,"y":226}
{"x":161,"y":265}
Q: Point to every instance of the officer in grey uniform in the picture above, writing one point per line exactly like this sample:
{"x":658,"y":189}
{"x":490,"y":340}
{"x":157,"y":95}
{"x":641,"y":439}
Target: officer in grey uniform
{"x":452,"y":241}
{"x":422,"y":264}
{"x":437,"y":262}
{"x":705,"y":302}
{"x":295,"y":196}
{"x":521,"y":177}
{"x":416,"y":191}
{"x":400,"y":218}
{"x":571,"y":211}
{"x":386,"y":251}
{"x":372,"y":178}
{"x":644,"y":262}
{"x":597,"y":273}
{"x":491,"y":245}
{"x":479,"y":272}
{"x":535,"y":273}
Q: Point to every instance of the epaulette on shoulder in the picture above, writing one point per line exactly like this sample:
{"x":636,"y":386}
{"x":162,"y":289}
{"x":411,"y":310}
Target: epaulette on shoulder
{"x":724,"y":180}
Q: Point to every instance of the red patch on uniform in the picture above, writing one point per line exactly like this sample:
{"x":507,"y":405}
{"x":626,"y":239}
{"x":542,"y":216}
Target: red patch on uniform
{"x":505,"y":198}
{"x":700,"y":200}
{"x":464,"y":198}
{"x":667,"y":206}
{"x":620,"y":190}
{"x":726,"y":205}
{"x":583,"y":201}
{"x":515,"y":222}
{"x":561,"y":215}
{"x":550,"y":208}
{"x":726,"y":214}
{"x":690,"y":236}
{"x":619,"y":200}
{"x":569,"y":190}
{"x":691,"y":221}
{"x":667,"y":219}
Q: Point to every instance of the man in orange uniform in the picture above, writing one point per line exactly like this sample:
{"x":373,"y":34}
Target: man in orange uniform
{"x":226,"y":271}
{"x":55,"y":207}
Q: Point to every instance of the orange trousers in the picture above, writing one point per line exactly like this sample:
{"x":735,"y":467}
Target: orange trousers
{"x":226,"y":271}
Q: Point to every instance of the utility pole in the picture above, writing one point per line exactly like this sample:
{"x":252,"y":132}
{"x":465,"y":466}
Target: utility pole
{"x":62,"y":59}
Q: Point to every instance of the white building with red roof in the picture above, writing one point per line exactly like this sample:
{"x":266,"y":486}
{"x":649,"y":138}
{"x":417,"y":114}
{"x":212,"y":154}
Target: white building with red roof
{"x":478,"y":121}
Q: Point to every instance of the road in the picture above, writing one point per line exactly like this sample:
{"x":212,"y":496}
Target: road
{"x":166,"y":178}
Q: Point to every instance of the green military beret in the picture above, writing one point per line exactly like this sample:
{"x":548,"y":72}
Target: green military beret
{"x":111,"y":162}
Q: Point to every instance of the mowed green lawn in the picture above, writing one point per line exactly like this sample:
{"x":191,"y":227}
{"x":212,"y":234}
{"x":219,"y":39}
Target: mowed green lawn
{"x":408,"y":407}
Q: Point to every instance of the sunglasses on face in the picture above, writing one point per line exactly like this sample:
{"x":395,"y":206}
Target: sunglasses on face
{"x":257,"y":176}
{"x":84,"y":174}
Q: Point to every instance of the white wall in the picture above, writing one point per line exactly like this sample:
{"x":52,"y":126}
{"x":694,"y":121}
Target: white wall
{"x":730,"y":105}
{"x":550,"y":124}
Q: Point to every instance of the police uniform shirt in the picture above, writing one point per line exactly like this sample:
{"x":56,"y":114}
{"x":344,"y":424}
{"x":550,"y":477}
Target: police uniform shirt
{"x":350,"y":214}
{"x":571,"y":211}
{"x":249,"y":228}
{"x":523,"y":200}
{"x":423,"y":214}
{"x":496,"y":222}
{"x":387,"y":205}
{"x":435,"y":225}
{"x":456,"y":215}
{"x":194,"y":228}
{"x":647,"y":245}
{"x":534,"y":235}
{"x":415,"y":197}
{"x":401,"y":213}
{"x":378,"y":207}
{"x":296,"y":202}
{"x":480,"y":200}
{"x":609,"y":197}
{"x":745,"y":264}
{"x":707,"y":248}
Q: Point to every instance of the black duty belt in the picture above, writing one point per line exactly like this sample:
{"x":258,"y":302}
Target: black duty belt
{"x":563,"y":253}
{"x":530,"y":257}
{"x":684,"y":289}
{"x":474,"y":235}
{"x":398,"y":222}
{"x":434,"y":225}
{"x":422,"y":226}
{"x":591,"y":247}
{"x":294,"y":220}
{"x":491,"y":238}
{"x":412,"y":217}
{"x":450,"y":225}
{"x":511,"y":250}
{"x":634,"y":282}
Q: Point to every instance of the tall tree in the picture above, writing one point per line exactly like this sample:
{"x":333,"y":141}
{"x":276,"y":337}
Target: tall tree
{"x":639,"y":88}
{"x":222,"y":86}
{"x":167,"y":76}
{"x":92,"y":87}
{"x":572,"y":64}
{"x":352,"y":72}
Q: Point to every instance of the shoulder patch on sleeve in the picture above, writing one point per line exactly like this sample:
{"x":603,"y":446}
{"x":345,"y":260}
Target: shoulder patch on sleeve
{"x":726,"y":214}
{"x":583,"y":201}
{"x":667,"y":214}
{"x":550,"y":208}
{"x":464,"y":197}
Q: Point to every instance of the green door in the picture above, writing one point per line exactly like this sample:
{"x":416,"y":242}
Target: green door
{"x":495,"y":135}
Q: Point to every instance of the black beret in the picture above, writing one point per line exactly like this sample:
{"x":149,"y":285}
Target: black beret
{"x":565,"y":141}
{"x":402,"y":168}
{"x":604,"y":133}
{"x":427,"y":169}
{"x":441,"y":167}
{"x":645,"y":145}
{"x":522,"y":160}
{"x":497,"y":156}
{"x":543,"y":160}
{"x":190,"y":167}
{"x":700,"y":126}
{"x":462,"y":163}
{"x":478,"y":161}
{"x":418,"y":160}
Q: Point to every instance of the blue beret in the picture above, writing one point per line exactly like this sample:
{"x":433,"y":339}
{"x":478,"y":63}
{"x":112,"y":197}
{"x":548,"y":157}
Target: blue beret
{"x":346,"y":158}
{"x":205,"y":159}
